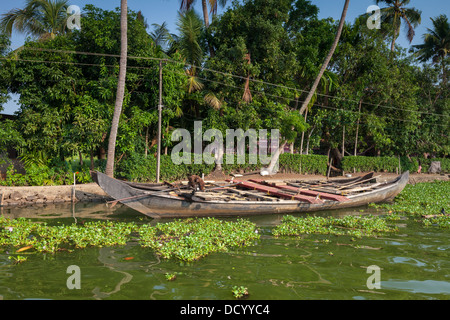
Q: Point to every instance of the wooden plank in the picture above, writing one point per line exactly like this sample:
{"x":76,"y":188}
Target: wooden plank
{"x":357,"y":189}
{"x":277,"y":192}
{"x":308,"y":192}
{"x":328,"y":190}
{"x":358,"y":182}
{"x":253,"y":194}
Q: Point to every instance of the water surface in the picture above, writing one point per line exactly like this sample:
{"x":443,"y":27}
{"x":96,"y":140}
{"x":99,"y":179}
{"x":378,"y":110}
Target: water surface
{"x":414,"y":264}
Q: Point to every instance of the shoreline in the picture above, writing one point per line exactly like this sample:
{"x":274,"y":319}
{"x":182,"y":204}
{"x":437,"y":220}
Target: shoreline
{"x":44,"y":195}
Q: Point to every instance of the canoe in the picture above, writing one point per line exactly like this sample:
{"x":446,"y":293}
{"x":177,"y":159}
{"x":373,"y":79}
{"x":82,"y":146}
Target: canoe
{"x":253,"y":197}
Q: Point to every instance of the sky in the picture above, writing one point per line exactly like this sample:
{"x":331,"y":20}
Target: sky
{"x":159,"y":11}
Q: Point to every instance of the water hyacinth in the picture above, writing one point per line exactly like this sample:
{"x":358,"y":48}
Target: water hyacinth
{"x":191,"y":239}
{"x":421,"y":199}
{"x":439,"y":221}
{"x":187,"y":240}
{"x":44,"y":238}
{"x":355,"y":226}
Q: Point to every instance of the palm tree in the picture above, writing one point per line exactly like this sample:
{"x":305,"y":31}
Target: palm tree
{"x":39,"y":18}
{"x":160,"y":35}
{"x":120,"y":88}
{"x":436,"y":44}
{"x":395,"y":13}
{"x":327,"y":59}
{"x":213,"y":4}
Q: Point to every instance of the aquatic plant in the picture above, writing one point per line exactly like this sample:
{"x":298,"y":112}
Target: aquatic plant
{"x":170,"y":276}
{"x":191,"y":239}
{"x":187,"y":240}
{"x":423,"y":198}
{"x":442,"y":221}
{"x":18,"y":259}
{"x":239,"y":292}
{"x":355,"y":226}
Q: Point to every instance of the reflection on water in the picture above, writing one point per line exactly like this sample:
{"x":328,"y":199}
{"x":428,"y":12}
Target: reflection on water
{"x":414,"y":264}
{"x":414,"y":286}
{"x":86,"y":210}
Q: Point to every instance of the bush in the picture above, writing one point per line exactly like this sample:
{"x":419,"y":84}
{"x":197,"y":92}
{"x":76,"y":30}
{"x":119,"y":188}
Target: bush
{"x":56,"y":172}
{"x":413,"y":164}
{"x":138,"y":168}
{"x":303,"y":163}
{"x":364,"y":164}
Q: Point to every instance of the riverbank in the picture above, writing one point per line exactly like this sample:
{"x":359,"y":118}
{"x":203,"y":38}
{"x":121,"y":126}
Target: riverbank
{"x":91,"y":192}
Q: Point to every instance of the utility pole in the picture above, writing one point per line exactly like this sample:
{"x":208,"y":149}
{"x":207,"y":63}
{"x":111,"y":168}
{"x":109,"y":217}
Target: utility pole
{"x":158,"y":156}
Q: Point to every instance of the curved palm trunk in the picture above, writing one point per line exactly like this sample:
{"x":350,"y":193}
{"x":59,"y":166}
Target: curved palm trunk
{"x":206,"y":19}
{"x":120,"y":89}
{"x":393,"y":40}
{"x":205,"y":13}
{"x":327,"y":59}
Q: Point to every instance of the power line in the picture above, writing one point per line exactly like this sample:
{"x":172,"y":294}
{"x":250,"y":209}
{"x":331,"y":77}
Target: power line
{"x":205,"y":79}
{"x":228,"y":75}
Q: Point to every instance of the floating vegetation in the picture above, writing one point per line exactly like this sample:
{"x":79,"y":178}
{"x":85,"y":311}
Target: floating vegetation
{"x":442,"y":221}
{"x":355,"y":226}
{"x":191,"y":239}
{"x":423,"y":199}
{"x":187,"y":240}
{"x":41,"y":237}
{"x":170,"y":276}
{"x":239,"y":292}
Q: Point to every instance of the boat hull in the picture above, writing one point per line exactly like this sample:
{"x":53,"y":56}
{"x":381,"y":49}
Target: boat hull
{"x":161,"y":205}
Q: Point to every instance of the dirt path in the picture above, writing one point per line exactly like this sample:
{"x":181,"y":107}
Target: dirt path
{"x":91,"y":192}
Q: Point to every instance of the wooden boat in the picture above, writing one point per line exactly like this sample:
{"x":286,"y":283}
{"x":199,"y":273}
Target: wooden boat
{"x":253,"y":197}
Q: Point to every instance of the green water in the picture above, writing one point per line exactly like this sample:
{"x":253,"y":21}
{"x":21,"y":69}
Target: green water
{"x":413,"y":264}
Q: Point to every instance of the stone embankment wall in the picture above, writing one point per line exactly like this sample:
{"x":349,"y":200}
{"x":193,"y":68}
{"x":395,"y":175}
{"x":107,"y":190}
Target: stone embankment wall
{"x":18,"y":196}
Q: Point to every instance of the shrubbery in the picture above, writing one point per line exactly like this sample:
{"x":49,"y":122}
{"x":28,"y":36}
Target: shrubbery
{"x":55,"y":172}
{"x":365,"y":164}
{"x":139,"y":168}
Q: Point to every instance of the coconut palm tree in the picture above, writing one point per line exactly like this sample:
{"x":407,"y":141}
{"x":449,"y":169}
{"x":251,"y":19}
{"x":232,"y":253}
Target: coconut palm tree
{"x":395,"y":13}
{"x":327,"y":59}
{"x":436,"y":45}
{"x":40,"y":18}
{"x":120,"y":88}
{"x":213,"y":4}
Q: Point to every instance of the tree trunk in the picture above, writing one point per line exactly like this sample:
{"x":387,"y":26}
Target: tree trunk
{"x":444,"y":73}
{"x":205,"y":13}
{"x":146,"y":142}
{"x":206,"y":19}
{"x":357,"y":128}
{"x":120,"y":89}
{"x":92,"y":166}
{"x":327,"y":59}
{"x":394,"y":38}
{"x":274,"y":160}
{"x":303,"y":134}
